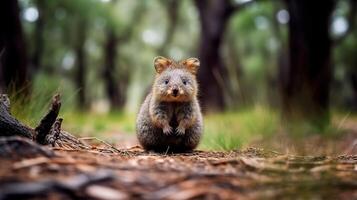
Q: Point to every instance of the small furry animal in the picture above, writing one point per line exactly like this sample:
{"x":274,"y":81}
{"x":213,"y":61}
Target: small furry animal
{"x":170,"y":118}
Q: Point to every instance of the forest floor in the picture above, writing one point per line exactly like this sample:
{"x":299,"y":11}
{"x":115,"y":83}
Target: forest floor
{"x":106,"y":172}
{"x":281,"y":166}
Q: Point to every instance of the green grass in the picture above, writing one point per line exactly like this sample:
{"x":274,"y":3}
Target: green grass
{"x":222,"y":131}
{"x":231,"y":130}
{"x":31,"y":109}
{"x":92,"y":124}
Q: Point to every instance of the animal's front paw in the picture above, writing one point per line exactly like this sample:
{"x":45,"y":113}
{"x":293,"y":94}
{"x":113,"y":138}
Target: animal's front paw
{"x":180,"y":130}
{"x":167,"y":130}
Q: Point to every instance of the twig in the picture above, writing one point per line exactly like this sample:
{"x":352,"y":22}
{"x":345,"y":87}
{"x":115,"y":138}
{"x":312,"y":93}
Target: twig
{"x":102,"y":141}
{"x":30,"y":162}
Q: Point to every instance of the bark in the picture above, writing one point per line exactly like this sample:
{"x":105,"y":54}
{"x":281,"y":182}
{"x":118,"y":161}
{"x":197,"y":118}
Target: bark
{"x":48,"y":132}
{"x":9,"y":126}
{"x":13,"y":61}
{"x":50,"y":118}
{"x":306,"y":80}
{"x":81,"y":65}
{"x":59,"y":138}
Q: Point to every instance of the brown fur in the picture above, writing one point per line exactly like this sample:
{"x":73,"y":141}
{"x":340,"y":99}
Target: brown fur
{"x":170,"y":118}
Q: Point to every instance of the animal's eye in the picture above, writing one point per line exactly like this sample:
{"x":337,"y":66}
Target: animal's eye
{"x":166,"y":81}
{"x":184,"y":82}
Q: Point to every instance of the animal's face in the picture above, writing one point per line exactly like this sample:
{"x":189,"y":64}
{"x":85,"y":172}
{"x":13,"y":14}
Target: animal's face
{"x":175,"y":82}
{"x":175,"y":85}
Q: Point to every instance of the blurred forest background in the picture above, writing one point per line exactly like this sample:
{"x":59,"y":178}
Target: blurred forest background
{"x":263,"y":63}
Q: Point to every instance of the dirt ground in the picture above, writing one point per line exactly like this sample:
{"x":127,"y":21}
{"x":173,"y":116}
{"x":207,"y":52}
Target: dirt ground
{"x":106,"y":172}
{"x":90,"y":168}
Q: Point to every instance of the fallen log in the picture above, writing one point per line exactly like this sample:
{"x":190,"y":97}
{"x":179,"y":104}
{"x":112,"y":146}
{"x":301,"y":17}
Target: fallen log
{"x":58,"y":138}
{"x":48,"y":132}
{"x":48,"y":120}
{"x":9,"y":126}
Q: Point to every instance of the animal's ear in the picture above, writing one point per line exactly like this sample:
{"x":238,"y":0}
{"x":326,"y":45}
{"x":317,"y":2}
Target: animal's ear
{"x":161,"y":63}
{"x":191,"y":64}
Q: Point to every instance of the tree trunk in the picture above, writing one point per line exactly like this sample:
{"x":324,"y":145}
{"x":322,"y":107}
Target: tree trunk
{"x":306,"y":80}
{"x":81,"y":65}
{"x":13,"y":59}
{"x":112,"y":87}
{"x":214,"y":15}
{"x":116,"y":86}
{"x":352,"y":60}
{"x":353,"y":81}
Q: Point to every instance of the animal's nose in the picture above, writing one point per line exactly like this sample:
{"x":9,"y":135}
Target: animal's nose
{"x":175,"y":92}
